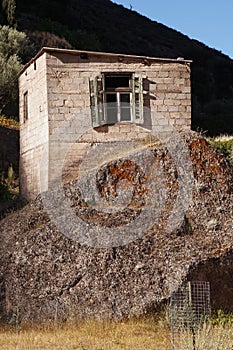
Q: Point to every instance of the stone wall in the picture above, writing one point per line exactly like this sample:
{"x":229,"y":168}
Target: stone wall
{"x":59,"y":108}
{"x":34,"y":130}
{"x":68,"y":88}
{"x":168,"y":97}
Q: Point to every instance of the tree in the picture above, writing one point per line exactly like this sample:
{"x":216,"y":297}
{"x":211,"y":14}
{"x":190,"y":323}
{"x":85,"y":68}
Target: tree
{"x":9,"y":70}
{"x":9,"y":7}
{"x":14,"y":46}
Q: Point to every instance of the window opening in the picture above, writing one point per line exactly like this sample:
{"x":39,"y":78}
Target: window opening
{"x":25,"y":106}
{"x":116,"y":97}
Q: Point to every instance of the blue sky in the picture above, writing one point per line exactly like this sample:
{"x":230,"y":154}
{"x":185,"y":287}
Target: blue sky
{"x":210,"y":22}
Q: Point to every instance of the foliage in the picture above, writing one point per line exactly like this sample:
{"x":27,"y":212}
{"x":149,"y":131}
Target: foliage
{"x":224,"y":145}
{"x":14,"y":42}
{"x":14,"y":47}
{"x":222,"y":319}
{"x":8,"y":187}
{"x":77,"y":38}
{"x":9,"y":69}
{"x":9,"y":122}
{"x":9,"y":7}
{"x":47,"y":39}
{"x":5,"y":194}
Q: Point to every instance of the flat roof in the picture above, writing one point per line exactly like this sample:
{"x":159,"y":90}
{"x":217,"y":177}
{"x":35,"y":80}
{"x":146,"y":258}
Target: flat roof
{"x":101,"y":54}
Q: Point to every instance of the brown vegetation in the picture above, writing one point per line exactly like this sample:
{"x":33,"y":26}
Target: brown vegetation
{"x":44,"y":272}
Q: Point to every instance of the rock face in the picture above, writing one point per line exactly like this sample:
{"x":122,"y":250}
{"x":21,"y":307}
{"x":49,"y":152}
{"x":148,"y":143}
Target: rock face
{"x":46,"y":274}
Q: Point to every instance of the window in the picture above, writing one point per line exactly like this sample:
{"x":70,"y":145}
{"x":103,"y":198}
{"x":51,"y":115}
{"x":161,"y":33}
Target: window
{"x":25,"y":106}
{"x":116,"y":97}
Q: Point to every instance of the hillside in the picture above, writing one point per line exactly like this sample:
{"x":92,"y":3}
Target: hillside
{"x":45,"y":274}
{"x":104,"y":26}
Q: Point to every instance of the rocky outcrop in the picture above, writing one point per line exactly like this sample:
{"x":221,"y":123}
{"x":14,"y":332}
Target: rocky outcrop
{"x":46,"y":274}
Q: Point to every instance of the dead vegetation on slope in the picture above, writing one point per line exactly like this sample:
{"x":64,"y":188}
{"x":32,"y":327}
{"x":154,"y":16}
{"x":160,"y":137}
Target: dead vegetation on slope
{"x":45,"y":273}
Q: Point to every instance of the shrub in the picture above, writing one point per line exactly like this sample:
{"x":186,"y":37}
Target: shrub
{"x":224,"y":145}
{"x":5,"y":194}
{"x":222,"y":319}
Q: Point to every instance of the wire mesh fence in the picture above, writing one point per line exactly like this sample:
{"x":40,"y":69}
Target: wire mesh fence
{"x":189,"y":308}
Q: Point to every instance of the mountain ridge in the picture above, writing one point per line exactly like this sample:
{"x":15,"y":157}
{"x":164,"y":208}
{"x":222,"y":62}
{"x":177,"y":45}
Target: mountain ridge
{"x":101,"y":25}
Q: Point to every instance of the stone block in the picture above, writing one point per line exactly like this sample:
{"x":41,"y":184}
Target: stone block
{"x":180,"y":121}
{"x":173,"y":108}
{"x":182,"y":96}
{"x":162,"y":108}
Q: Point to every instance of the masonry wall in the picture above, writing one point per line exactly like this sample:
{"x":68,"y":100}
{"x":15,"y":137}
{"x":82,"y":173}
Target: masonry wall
{"x":34,"y":130}
{"x":168,"y":97}
{"x":68,"y":89}
{"x":58,"y":133}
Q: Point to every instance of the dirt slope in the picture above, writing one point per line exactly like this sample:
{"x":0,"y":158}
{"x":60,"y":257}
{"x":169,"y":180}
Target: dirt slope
{"x":45,"y":274}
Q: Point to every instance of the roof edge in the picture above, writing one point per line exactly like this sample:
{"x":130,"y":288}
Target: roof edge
{"x":100,"y":54}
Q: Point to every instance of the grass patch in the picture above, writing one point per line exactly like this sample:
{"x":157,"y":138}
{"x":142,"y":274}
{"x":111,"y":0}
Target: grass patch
{"x":207,"y":337}
{"x":89,"y":335}
{"x":136,"y":334}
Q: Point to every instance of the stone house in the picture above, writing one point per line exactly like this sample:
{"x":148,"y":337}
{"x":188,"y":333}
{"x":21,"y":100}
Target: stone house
{"x":102,"y":96}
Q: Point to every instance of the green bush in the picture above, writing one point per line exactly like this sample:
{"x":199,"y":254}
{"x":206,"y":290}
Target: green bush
{"x":225,"y":146}
{"x":5,"y":194}
{"x":9,"y":122}
{"x":222,"y":319}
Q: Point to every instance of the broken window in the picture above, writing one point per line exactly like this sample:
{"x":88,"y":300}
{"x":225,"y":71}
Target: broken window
{"x":116,"y":97}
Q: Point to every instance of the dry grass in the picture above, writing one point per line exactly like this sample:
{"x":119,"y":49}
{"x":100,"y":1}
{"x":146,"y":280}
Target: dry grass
{"x":208,"y":337}
{"x":89,"y":335}
{"x":140,"y":334}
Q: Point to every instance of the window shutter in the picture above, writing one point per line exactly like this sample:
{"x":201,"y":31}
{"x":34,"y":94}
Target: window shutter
{"x":101,"y":107}
{"x":137,"y":89}
{"x":94,"y":102}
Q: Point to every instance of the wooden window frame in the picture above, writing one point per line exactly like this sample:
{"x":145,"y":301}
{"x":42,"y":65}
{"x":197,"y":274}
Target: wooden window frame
{"x":119,"y":105}
{"x":98,"y":98}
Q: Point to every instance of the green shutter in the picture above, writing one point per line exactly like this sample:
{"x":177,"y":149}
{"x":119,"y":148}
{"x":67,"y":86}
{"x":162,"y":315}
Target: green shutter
{"x":96,"y":101}
{"x":93,"y":86}
{"x":101,"y":104}
{"x":137,"y":90}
